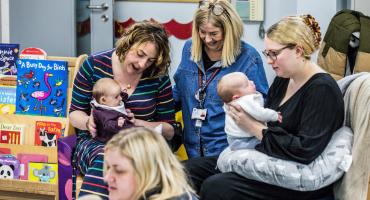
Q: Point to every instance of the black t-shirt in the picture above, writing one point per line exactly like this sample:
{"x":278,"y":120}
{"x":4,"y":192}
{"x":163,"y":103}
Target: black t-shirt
{"x":310,"y":117}
{"x":207,"y":62}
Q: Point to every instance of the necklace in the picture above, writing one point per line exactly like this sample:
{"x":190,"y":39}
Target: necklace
{"x":128,"y":86}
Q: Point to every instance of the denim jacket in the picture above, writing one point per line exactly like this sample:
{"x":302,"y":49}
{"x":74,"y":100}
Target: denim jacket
{"x":212,"y":138}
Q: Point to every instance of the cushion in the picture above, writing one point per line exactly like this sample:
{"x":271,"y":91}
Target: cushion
{"x":323,"y":171}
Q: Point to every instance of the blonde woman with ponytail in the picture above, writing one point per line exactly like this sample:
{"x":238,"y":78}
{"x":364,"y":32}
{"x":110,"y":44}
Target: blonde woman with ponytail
{"x":139,"y":165}
{"x":312,"y":109}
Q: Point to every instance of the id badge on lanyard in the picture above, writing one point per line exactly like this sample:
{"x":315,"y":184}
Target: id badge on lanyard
{"x":200,"y":113}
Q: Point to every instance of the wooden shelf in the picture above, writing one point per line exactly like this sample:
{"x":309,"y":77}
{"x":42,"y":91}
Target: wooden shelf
{"x":21,"y":189}
{"x":50,"y":152}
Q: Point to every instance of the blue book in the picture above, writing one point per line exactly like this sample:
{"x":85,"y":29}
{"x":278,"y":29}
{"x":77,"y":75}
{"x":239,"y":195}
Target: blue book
{"x":42,"y":87}
{"x":8,"y":56}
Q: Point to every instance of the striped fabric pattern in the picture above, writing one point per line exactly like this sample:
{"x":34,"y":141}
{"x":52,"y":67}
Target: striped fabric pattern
{"x":152,"y":100}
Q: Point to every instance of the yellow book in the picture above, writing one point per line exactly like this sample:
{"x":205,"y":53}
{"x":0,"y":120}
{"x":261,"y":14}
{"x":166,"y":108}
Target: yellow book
{"x":43,"y":172}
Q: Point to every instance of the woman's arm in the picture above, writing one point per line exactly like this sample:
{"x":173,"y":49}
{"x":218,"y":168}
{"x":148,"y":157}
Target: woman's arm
{"x":245,"y":121}
{"x":165,"y":108}
{"x":316,"y":116}
{"x":81,"y":97}
{"x":306,"y":132}
{"x":167,"y":129}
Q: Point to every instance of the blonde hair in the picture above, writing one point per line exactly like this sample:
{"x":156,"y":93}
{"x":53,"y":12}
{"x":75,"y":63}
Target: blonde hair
{"x":232,"y":29}
{"x":102,"y":86}
{"x":301,"y":30}
{"x":154,"y":163}
{"x":140,"y":33}
{"x":230,"y":84}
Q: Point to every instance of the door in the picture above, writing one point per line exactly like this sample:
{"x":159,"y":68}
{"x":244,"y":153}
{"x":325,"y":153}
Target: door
{"x":95,"y":26}
{"x":49,"y":25}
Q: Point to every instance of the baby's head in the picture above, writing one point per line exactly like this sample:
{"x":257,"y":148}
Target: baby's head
{"x":107,"y":91}
{"x":234,"y":85}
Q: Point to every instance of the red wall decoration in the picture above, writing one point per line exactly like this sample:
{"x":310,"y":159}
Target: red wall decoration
{"x":173,"y":28}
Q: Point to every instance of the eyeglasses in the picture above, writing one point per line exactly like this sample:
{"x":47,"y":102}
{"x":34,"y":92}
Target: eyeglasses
{"x":216,"y":8}
{"x":272,"y":54}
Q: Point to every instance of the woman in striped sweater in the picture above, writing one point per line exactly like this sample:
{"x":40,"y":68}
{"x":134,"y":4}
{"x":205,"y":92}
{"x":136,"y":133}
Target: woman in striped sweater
{"x":139,"y":63}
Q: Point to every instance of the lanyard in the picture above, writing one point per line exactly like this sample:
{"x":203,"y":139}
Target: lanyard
{"x":203,"y":84}
{"x":200,"y":96}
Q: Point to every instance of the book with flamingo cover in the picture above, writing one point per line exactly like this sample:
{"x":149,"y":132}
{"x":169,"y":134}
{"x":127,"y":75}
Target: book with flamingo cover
{"x":42,"y":87}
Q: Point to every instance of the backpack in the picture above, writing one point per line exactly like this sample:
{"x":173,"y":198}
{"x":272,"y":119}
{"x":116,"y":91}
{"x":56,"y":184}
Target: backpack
{"x":339,"y":54}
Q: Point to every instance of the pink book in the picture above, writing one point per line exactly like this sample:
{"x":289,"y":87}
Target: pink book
{"x":4,"y":150}
{"x":24,"y":159}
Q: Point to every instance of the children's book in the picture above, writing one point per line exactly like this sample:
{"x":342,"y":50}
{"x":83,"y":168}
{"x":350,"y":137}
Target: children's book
{"x":8,"y":56}
{"x":33,"y":53}
{"x":42,"y":87}
{"x":25,"y":159}
{"x":5,"y":150}
{"x":9,"y":167}
{"x":43,"y":172}
{"x":47,"y":133}
{"x":12,"y":133}
{"x":7,"y":99}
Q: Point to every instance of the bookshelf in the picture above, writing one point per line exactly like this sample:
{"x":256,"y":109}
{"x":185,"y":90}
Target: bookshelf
{"x":24,"y":189}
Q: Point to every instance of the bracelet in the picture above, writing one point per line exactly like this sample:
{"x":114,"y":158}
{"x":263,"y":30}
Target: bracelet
{"x":87,"y":124}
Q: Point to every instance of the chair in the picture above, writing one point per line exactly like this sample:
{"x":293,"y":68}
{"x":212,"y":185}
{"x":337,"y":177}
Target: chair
{"x":355,"y":183}
{"x":66,"y":144}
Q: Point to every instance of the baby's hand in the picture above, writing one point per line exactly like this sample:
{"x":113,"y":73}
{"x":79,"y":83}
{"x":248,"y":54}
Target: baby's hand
{"x":121,"y":121}
{"x":280,"y":117}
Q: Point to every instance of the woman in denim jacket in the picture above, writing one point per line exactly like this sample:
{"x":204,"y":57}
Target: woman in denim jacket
{"x":215,"y":49}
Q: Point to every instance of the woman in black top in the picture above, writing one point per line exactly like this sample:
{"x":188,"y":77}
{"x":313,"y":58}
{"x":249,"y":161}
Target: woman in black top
{"x":311,"y":105}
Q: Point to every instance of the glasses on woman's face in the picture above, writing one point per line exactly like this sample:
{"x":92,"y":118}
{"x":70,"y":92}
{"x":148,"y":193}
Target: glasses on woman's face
{"x":216,"y":8}
{"x":272,"y":54}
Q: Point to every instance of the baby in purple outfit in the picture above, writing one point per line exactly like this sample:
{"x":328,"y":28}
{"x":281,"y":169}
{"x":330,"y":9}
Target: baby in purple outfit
{"x":109,"y":110}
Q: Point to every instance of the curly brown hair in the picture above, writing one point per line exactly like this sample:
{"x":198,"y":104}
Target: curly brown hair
{"x":140,"y":33}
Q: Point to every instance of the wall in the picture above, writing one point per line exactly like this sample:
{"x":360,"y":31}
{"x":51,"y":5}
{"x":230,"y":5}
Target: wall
{"x":323,"y":10}
{"x":183,"y":12}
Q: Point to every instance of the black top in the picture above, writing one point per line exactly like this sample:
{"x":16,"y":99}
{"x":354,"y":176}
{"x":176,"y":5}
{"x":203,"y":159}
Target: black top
{"x":207,"y":62}
{"x":310,"y":117}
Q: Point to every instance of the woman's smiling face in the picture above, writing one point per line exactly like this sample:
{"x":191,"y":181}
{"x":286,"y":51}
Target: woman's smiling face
{"x":211,"y":36}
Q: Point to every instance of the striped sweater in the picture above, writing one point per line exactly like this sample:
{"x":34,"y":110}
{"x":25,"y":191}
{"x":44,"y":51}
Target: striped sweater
{"x":151,"y":101}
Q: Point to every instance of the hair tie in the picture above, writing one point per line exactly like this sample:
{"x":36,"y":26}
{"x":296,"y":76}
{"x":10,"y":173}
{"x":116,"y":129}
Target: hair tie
{"x":311,"y":22}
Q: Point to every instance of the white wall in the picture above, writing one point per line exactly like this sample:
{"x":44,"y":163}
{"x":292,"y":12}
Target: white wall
{"x":322,"y":10}
{"x":183,"y":12}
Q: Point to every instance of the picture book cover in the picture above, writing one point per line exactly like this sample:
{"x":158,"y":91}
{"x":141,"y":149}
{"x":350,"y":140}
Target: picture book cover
{"x":12,"y":133}
{"x":42,"y":87}
{"x":8,"y":56}
{"x":47,"y":133}
{"x":5,"y":150}
{"x":33,"y":53}
{"x":7,"y":99}
{"x":43,"y":172}
{"x":25,"y":159}
{"x":9,"y":167}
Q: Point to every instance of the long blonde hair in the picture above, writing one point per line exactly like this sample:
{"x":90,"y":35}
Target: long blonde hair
{"x":297,"y":30}
{"x":155,"y":165}
{"x":232,"y":29}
